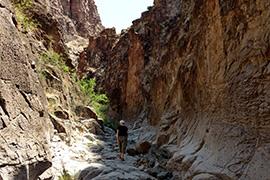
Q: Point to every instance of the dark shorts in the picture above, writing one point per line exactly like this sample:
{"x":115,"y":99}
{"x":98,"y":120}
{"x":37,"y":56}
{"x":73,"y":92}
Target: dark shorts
{"x":122,"y":143}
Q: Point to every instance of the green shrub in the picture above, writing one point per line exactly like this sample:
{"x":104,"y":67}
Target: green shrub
{"x":90,"y":96}
{"x":66,"y":176}
{"x":113,"y":125}
{"x":65,"y":68}
{"x":24,"y":14}
{"x":54,"y":59}
{"x":73,"y":75}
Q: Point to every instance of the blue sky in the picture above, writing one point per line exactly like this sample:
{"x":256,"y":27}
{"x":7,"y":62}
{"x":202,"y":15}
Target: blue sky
{"x":121,"y":13}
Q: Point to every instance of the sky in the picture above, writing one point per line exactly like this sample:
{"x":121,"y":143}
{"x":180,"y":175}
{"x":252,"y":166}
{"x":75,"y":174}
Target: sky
{"x":121,"y":13}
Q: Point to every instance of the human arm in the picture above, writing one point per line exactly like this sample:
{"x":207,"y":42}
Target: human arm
{"x":117,"y":135}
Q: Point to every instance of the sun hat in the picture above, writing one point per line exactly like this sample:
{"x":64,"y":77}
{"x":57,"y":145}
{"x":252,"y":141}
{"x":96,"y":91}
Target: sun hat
{"x":122,"y":122}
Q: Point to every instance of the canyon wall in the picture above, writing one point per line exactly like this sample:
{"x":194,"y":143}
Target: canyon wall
{"x":77,"y":17}
{"x":24,"y":124}
{"x":199,"y":71}
{"x":27,"y":39}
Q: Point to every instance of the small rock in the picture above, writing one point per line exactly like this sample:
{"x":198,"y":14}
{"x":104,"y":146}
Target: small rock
{"x":62,"y":136}
{"x":143,"y":161}
{"x":131,"y":149}
{"x":153,"y":171}
{"x":151,"y":163}
{"x":164,"y":174}
{"x":143,"y":147}
{"x":132,"y":152}
{"x":47,"y":175}
{"x":101,"y":123}
{"x":161,"y":153}
{"x":56,"y":139}
{"x":141,"y":168}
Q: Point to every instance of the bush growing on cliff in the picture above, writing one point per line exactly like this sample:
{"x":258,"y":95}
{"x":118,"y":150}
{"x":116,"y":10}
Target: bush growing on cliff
{"x":55,"y":59}
{"x":95,"y":98}
{"x":24,"y":15}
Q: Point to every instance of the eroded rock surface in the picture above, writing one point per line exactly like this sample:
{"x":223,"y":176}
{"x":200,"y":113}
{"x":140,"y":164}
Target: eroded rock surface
{"x":77,"y":17}
{"x":25,"y":127}
{"x":199,"y":72}
{"x":24,"y":124}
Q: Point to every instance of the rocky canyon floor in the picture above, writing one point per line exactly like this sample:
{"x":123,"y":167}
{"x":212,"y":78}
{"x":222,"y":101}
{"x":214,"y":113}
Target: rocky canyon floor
{"x":96,"y":157}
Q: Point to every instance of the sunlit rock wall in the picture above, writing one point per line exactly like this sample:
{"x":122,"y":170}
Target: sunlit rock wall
{"x":200,"y":72}
{"x":77,"y":16}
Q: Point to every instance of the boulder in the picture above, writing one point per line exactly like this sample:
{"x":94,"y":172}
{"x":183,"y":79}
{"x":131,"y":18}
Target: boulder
{"x":62,"y":114}
{"x":86,"y":112}
{"x":143,"y":147}
{"x":93,"y":126}
{"x":62,"y":126}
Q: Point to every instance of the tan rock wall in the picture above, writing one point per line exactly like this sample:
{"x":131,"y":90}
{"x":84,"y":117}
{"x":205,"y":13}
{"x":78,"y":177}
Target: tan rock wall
{"x":24,"y":125}
{"x":199,"y":70}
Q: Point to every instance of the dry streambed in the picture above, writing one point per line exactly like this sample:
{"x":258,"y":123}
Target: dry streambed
{"x":89,"y":156}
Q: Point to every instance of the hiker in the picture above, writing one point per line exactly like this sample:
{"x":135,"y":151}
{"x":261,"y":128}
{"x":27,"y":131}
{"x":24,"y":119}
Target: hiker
{"x":122,"y":135}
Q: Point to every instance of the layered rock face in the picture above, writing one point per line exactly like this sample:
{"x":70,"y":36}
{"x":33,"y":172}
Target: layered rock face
{"x":25,"y":127}
{"x":200,"y":72}
{"x":24,"y":124}
{"x":77,"y":16}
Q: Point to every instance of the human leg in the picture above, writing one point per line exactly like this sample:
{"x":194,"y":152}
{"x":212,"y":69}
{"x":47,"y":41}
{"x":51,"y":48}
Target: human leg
{"x":122,"y":146}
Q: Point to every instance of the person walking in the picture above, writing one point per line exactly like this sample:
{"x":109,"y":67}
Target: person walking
{"x":122,"y":135}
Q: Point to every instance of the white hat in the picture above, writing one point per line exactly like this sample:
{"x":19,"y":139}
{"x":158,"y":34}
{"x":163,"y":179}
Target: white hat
{"x":122,"y":122}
